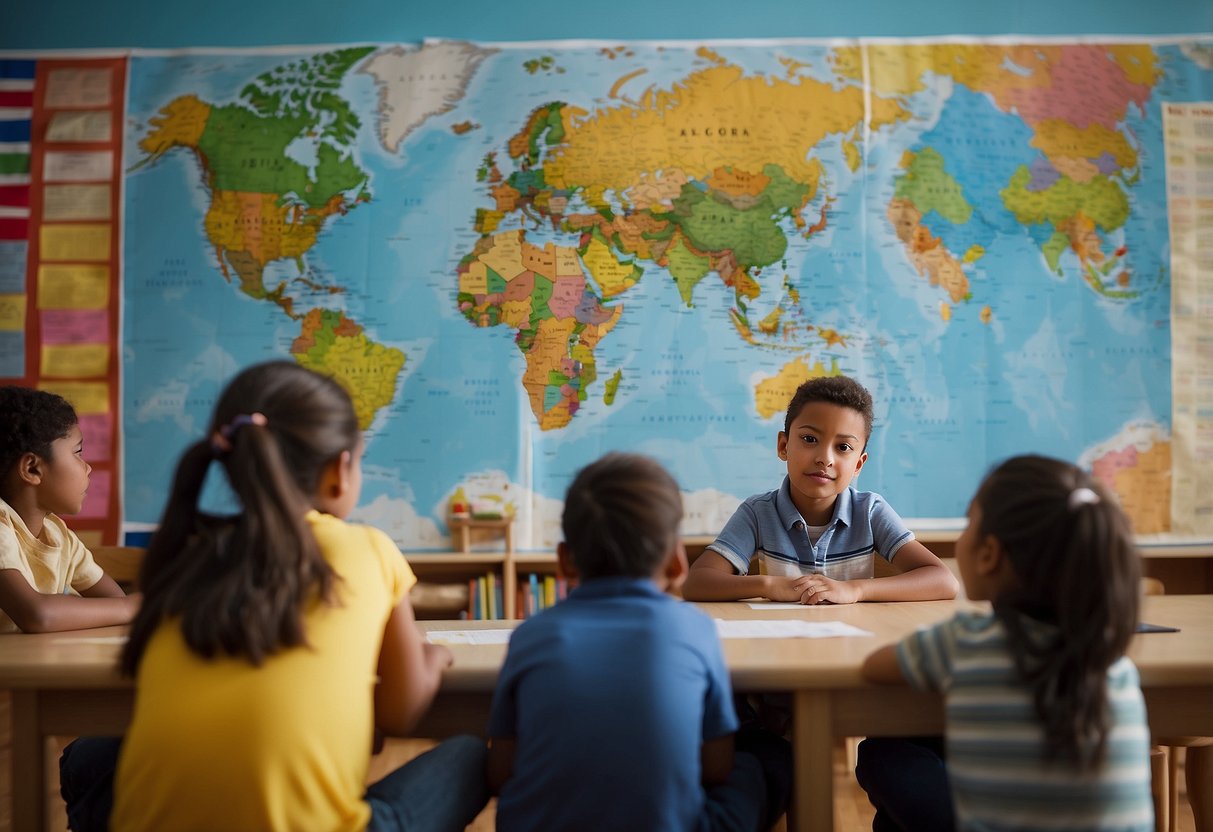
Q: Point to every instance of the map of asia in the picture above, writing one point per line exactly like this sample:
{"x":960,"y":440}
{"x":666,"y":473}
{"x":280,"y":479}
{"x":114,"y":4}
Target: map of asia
{"x":517,"y":257}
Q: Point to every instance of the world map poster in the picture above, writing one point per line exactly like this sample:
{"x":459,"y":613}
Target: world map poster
{"x":517,"y":257}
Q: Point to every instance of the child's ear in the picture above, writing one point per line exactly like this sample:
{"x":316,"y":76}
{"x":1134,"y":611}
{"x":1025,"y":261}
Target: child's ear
{"x":781,"y":445}
{"x":335,"y":480}
{"x":676,"y":567}
{"x":29,"y":468}
{"x":990,"y":556}
{"x":564,"y":560}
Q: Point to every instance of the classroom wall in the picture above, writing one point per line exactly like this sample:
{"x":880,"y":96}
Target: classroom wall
{"x":153,"y":23}
{"x":74,"y":24}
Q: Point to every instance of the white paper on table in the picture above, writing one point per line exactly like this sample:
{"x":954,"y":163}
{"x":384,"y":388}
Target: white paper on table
{"x":783,"y":628}
{"x":776,"y":605}
{"x":469,"y":636}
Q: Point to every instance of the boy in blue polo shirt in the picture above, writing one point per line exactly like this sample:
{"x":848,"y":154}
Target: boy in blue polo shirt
{"x":613,"y":709}
{"x":816,"y":533}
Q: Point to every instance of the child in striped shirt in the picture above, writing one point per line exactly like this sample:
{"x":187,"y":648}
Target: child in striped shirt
{"x":1046,"y":725}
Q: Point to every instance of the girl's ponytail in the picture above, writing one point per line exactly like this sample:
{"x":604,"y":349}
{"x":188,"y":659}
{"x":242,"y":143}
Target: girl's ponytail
{"x":1077,"y":569}
{"x":166,"y":554}
{"x":240,"y":585}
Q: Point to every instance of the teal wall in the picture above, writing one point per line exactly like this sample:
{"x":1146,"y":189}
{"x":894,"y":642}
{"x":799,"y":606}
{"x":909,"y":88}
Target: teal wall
{"x":53,"y":24}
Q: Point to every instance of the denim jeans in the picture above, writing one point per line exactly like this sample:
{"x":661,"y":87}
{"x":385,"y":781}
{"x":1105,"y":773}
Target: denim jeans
{"x":86,"y":782}
{"x":907,"y":781}
{"x":442,"y":789}
{"x":757,"y":791}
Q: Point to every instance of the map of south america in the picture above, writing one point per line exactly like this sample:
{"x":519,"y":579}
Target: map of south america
{"x":266,"y":205}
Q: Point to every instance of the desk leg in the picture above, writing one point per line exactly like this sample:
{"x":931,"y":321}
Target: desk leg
{"x":813,"y":761}
{"x":28,"y":764}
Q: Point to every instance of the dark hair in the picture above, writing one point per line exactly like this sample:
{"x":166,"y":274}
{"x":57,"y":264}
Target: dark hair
{"x":30,"y":422}
{"x":839,"y":390}
{"x":241,"y":584}
{"x":621,"y":517}
{"x":1072,"y":551}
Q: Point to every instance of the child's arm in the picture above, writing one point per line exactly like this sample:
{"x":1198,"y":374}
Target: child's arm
{"x":716,"y":760}
{"x":500,"y":766}
{"x":712,"y":578}
{"x":101,"y":605}
{"x":923,"y":577}
{"x":107,"y":587}
{"x":882,"y":667}
{"x":410,"y":671}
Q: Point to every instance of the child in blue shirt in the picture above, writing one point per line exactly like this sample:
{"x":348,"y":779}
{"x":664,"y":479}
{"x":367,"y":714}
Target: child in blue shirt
{"x":815,"y":535}
{"x":613,"y":709}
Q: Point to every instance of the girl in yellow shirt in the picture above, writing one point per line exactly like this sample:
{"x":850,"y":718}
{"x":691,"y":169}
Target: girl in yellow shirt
{"x":271,"y":645}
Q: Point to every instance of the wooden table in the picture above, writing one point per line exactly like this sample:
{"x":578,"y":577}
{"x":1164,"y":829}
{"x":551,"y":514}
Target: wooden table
{"x":65,"y":684}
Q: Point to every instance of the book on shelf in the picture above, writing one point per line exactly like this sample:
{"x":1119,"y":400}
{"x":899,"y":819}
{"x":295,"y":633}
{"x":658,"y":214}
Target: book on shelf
{"x":484,"y":598}
{"x":539,"y":592}
{"x":534,"y":593}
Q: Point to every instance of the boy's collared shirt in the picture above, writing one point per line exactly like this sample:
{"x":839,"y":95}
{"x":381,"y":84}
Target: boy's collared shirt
{"x":610,"y":696}
{"x":54,"y":563}
{"x":770,"y":526}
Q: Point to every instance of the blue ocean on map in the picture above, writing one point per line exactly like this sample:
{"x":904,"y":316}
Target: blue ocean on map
{"x":1057,"y":343}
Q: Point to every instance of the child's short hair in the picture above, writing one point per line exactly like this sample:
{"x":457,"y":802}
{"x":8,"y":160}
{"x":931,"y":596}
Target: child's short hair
{"x":30,"y":422}
{"x":840,"y":390}
{"x":621,"y":517}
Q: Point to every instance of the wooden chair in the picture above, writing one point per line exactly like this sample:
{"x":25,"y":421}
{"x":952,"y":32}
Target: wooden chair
{"x":1162,"y":782}
{"x":121,"y":563}
{"x":1164,"y":756}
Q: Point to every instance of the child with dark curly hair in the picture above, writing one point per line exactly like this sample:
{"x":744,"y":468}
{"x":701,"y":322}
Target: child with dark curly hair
{"x":48,"y":578}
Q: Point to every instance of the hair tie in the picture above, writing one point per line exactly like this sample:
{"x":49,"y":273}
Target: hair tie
{"x":221,"y":440}
{"x":1081,"y":497}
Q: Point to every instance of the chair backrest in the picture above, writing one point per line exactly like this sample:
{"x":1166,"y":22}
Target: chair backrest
{"x":121,"y":563}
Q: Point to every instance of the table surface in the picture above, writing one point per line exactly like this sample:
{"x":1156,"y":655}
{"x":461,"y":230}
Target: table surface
{"x":86,"y":659}
{"x":67,"y":683}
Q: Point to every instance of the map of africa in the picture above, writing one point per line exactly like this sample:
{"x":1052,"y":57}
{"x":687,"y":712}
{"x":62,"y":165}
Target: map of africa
{"x":519,"y":257}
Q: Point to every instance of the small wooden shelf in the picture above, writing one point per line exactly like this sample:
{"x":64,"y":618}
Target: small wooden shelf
{"x":535,"y":559}
{"x":456,"y":558}
{"x":464,"y":527}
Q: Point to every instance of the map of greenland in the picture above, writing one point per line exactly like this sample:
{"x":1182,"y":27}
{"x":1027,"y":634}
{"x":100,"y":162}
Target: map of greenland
{"x":419,"y":83}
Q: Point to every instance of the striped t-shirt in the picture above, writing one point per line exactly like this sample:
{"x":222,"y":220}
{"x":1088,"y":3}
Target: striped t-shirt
{"x":995,"y":744}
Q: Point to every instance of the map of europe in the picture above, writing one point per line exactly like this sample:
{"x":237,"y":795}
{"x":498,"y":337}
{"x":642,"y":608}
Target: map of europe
{"x":518,"y":257}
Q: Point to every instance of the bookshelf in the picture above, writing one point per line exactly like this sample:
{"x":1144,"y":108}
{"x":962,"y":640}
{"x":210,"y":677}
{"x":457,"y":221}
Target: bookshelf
{"x":1182,"y":568}
{"x":508,"y":567}
{"x":457,"y":567}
